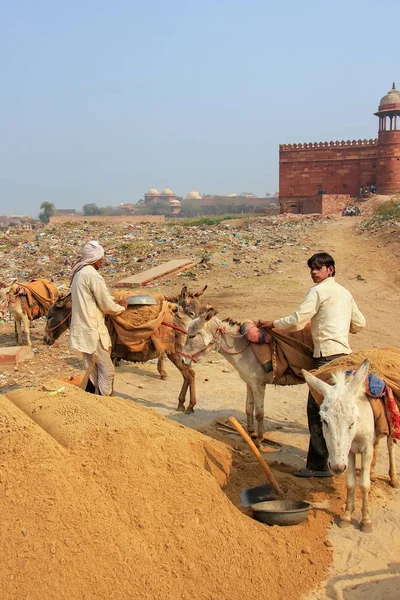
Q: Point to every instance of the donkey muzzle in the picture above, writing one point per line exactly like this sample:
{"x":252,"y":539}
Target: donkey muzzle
{"x":337,"y":469}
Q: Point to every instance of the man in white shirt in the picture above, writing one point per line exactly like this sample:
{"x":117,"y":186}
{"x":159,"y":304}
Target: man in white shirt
{"x":333,"y":314}
{"x":90,"y":301}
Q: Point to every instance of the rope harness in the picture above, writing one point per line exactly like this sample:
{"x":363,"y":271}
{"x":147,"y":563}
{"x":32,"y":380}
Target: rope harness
{"x":48,"y":330}
{"x":174,"y":327}
{"x":222,"y":331}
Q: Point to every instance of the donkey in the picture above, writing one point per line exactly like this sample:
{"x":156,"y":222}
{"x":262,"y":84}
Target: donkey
{"x":207,"y":332}
{"x":348,"y":428}
{"x":59,"y":319}
{"x":13,"y":299}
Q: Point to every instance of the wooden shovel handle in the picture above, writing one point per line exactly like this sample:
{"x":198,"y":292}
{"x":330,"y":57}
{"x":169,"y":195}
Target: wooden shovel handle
{"x":257,"y":454}
{"x":88,"y":373}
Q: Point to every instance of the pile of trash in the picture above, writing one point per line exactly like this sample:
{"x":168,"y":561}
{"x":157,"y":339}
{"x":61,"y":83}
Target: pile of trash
{"x":134,"y":248}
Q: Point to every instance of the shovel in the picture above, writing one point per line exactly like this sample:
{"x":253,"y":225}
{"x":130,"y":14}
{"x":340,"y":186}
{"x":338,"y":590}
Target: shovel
{"x":88,"y":373}
{"x":260,"y":493}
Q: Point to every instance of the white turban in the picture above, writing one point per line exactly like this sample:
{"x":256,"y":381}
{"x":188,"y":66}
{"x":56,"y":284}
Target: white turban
{"x":91,"y":253}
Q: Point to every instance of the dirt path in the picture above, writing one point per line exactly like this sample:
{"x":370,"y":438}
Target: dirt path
{"x":362,"y":564}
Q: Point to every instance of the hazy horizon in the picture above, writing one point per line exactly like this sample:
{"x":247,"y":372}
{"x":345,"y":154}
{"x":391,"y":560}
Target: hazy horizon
{"x":100,"y":102}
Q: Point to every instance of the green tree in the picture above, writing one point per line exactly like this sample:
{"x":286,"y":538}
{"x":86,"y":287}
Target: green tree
{"x":46,"y":212}
{"x":161,"y":208}
{"x":111,"y":211}
{"x":92,"y":209}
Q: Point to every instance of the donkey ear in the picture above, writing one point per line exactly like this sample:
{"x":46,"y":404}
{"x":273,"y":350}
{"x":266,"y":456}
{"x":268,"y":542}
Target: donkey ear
{"x":201,"y":292}
{"x":209,"y":314}
{"x":359,"y":377}
{"x":313,"y":382}
{"x":63,"y":300}
{"x":183,"y":293}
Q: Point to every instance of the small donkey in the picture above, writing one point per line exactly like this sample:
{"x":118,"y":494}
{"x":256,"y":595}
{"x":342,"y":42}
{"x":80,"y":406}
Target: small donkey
{"x":348,"y":428}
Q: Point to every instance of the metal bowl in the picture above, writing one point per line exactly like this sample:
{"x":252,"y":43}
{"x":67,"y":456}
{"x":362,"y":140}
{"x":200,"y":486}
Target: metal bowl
{"x":138,"y":300}
{"x":281,"y":512}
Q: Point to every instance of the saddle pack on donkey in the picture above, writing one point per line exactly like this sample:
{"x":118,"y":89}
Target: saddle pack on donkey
{"x":283,"y":353}
{"x":143,"y":323}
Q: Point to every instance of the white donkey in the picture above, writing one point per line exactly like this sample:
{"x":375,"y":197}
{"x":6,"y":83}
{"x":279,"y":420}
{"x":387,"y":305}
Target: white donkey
{"x":207,"y":332}
{"x":348,"y":428}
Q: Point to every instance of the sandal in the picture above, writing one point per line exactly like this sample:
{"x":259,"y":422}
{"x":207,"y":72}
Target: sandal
{"x":305,"y":472}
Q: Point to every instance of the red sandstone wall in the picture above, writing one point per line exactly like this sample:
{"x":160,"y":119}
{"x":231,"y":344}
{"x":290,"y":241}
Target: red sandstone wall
{"x":333,"y":204}
{"x":230,"y":200}
{"x":325,"y":204}
{"x":105,"y":219}
{"x":336,"y":167}
{"x":388,"y":162}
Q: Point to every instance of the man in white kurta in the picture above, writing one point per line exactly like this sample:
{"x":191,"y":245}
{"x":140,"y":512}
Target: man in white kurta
{"x":90,"y":301}
{"x":333,"y":314}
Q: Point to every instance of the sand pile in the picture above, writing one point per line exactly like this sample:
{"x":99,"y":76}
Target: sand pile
{"x":384,"y":362}
{"x":101,"y":498}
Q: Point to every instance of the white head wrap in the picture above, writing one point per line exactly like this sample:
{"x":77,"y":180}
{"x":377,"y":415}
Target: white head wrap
{"x":91,"y":253}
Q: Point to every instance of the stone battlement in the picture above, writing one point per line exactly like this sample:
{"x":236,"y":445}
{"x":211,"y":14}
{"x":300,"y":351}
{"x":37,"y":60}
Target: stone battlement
{"x":337,"y":144}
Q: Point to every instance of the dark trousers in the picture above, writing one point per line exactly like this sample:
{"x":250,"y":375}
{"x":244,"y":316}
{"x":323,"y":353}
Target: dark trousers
{"x":317,"y":456}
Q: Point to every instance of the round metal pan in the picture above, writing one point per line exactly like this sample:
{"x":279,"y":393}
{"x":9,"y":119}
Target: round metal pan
{"x":281,"y":512}
{"x":138,"y":300}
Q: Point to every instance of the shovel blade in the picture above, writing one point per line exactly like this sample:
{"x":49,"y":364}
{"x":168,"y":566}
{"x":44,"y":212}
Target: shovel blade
{"x":261,"y":493}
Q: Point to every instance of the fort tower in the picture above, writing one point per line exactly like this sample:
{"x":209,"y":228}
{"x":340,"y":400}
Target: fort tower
{"x":388,"y":149}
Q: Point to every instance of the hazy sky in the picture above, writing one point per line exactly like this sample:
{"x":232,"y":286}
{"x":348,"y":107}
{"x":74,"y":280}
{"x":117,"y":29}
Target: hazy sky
{"x":102,"y":100}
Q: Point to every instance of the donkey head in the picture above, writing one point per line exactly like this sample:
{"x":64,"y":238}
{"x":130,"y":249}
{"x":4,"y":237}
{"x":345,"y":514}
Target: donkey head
{"x":339,"y":412}
{"x":201,"y":333}
{"x":58,"y":319}
{"x":190,"y":303}
{"x":5,"y":289}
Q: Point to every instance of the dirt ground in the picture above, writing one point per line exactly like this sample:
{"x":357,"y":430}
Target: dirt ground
{"x":362,"y":564}
{"x":268,"y":285}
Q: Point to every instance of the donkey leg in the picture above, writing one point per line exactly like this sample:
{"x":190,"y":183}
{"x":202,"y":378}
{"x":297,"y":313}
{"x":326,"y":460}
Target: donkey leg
{"x":26,"y":326}
{"x":259,"y":394}
{"x":365,"y":485}
{"x":345,"y":518}
{"x":250,"y":409}
{"x":161,"y":366}
{"x":188,"y":382}
{"x":374,"y":456}
{"x":191,"y":377}
{"x":18,"y":331}
{"x":394,"y":482}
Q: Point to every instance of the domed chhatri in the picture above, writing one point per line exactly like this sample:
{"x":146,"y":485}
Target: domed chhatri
{"x":167,"y":192}
{"x":153,"y":192}
{"x":193,"y":196}
{"x":391,"y":99}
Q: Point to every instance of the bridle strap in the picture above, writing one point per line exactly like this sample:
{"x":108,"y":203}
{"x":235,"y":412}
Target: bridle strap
{"x":213,"y":341}
{"x":48,"y":330}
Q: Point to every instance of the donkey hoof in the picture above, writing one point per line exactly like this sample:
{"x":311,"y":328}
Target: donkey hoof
{"x":162,"y":377}
{"x":342,"y":523}
{"x":394,"y":483}
{"x":189,"y":410}
{"x":180,"y":408}
{"x":366,"y":527}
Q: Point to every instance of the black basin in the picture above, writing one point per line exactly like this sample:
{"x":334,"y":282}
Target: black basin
{"x":281,"y":512}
